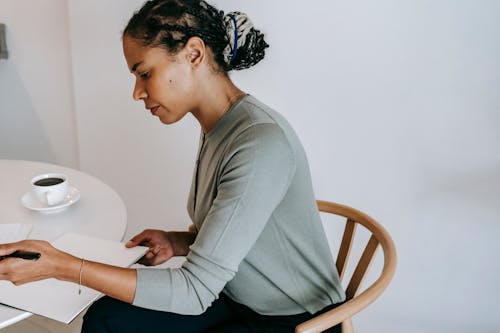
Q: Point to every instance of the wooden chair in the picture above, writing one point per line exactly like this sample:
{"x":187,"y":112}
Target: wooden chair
{"x":355,"y":302}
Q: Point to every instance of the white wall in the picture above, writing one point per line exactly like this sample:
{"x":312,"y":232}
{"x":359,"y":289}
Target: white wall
{"x":149,"y":164}
{"x":396,"y":103}
{"x":36,"y":93}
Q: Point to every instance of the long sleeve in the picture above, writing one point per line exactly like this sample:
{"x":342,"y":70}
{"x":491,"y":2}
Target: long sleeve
{"x":255,"y":173}
{"x":260,"y":239}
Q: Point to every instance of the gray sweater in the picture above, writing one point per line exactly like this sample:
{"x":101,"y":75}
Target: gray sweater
{"x":260,"y":239}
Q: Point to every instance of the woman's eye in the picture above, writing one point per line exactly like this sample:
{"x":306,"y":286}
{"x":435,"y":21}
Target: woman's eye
{"x":144,"y":75}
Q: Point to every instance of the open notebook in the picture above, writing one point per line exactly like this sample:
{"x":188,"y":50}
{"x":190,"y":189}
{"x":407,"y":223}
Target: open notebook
{"x":59,"y":300}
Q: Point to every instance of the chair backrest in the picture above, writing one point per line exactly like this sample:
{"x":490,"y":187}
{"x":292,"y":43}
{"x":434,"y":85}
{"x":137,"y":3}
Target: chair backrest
{"x":355,"y":302}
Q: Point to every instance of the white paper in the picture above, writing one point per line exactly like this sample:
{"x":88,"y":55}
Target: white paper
{"x":59,"y":300}
{"x":14,"y":232}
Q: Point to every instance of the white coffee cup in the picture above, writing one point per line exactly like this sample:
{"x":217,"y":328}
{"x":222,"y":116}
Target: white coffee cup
{"x":50,"y":188}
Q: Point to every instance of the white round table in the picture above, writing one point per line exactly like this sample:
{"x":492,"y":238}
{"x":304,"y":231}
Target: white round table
{"x":99,"y":212}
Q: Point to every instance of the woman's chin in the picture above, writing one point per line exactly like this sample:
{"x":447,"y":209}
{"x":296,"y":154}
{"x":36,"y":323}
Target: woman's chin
{"x":168,"y":120}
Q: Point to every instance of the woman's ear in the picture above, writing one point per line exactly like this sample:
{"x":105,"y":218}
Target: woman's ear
{"x":196,"y":51}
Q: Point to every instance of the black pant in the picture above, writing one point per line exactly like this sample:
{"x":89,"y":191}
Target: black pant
{"x":223,"y":316}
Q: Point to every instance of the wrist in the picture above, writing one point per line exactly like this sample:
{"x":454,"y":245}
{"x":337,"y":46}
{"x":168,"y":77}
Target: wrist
{"x":69,"y":269}
{"x":181,"y":240}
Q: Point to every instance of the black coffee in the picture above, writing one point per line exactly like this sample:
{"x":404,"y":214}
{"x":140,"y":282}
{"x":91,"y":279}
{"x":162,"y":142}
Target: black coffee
{"x":48,"y":181}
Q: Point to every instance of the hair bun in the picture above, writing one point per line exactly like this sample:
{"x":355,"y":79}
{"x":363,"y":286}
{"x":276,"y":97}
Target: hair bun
{"x":246,"y":45}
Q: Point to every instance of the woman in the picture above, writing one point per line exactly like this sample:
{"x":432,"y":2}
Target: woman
{"x":257,"y":259}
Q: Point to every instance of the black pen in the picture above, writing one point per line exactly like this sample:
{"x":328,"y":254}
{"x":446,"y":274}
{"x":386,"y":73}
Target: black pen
{"x":23,"y":255}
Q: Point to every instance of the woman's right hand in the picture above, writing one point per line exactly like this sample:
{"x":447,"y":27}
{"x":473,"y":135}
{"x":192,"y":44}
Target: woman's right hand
{"x":162,"y":245}
{"x":53,"y":263}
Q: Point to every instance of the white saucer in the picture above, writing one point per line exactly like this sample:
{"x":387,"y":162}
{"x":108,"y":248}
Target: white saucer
{"x":29,"y":201}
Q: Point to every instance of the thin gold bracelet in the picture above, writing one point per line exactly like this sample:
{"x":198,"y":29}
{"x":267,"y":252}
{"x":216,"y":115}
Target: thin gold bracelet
{"x":80,"y":279}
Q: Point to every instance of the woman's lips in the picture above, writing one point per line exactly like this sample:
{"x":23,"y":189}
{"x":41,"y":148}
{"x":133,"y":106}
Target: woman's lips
{"x":154,"y":110}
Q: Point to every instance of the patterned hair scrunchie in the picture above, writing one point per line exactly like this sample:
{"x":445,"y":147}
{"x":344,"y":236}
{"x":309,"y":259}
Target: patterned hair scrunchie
{"x":240,"y":33}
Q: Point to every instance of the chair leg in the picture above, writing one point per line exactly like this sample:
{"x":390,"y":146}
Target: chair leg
{"x":347,"y":326}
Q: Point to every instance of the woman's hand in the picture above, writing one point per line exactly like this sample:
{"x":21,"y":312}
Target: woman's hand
{"x":117,"y":282}
{"x":162,"y":245}
{"x":52,"y":262}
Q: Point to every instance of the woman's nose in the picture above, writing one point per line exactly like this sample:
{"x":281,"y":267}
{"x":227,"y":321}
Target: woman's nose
{"x":139,"y":91}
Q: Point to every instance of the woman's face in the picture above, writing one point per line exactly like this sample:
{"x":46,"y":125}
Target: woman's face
{"x":164,"y":82}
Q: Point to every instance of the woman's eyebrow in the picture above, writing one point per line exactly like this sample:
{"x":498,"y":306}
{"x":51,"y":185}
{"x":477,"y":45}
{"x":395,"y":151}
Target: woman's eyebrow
{"x":134,"y":67}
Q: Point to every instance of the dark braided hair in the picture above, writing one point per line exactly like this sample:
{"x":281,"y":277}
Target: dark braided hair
{"x":170,"y":23}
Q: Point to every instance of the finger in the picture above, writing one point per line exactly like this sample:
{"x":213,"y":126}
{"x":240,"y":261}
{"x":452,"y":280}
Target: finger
{"x":9,"y":266}
{"x":145,"y":261}
{"x":155,"y":249}
{"x":24,"y":245}
{"x":149,"y":258}
{"x":149,"y":255}
{"x":5,"y":272}
{"x":9,"y":248}
{"x":161,"y":256}
{"x":159,"y":259}
{"x":138,"y":239}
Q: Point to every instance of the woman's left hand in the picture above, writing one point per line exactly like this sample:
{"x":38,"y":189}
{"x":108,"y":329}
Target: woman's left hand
{"x":20,"y":271}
